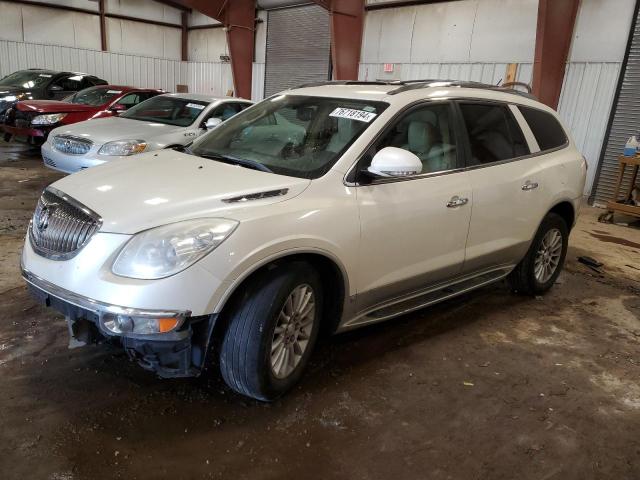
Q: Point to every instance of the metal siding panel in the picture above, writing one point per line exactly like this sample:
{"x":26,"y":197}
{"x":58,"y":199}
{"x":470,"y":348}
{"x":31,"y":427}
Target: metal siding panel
{"x":298,"y":47}
{"x":257,"y":82}
{"x":626,"y":118}
{"x":211,"y":78}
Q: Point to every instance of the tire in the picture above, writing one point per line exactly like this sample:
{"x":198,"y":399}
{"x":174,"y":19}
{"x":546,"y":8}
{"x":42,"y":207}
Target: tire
{"x":526,"y":278}
{"x":246,"y":349}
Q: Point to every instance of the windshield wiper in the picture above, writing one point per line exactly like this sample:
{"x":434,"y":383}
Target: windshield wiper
{"x":243,"y":162}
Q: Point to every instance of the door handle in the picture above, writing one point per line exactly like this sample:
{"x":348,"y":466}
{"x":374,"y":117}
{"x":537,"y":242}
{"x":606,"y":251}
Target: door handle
{"x":529,"y":185}
{"x":457,"y":201}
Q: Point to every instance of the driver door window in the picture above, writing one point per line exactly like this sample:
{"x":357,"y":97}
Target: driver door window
{"x":130,"y":100}
{"x":427,"y":132}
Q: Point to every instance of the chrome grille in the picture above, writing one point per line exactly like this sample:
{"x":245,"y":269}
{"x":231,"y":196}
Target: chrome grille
{"x":71,"y":145}
{"x":61,"y":226}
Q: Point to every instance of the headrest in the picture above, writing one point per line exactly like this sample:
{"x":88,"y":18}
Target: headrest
{"x":420,"y":137}
{"x":426,"y":116}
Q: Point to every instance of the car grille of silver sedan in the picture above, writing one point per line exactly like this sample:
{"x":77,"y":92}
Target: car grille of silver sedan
{"x":71,"y":145}
{"x":61,"y":226}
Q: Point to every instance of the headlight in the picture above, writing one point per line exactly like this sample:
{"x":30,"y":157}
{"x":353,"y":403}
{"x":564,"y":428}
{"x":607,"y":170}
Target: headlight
{"x":48,"y":119}
{"x":123,"y":148}
{"x":164,"y":251}
{"x":13,"y":98}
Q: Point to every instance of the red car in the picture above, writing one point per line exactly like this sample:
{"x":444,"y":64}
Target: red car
{"x":32,"y":120}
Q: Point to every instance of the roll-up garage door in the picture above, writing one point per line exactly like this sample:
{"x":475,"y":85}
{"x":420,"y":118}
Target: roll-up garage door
{"x":625,"y":122}
{"x":298,"y":47}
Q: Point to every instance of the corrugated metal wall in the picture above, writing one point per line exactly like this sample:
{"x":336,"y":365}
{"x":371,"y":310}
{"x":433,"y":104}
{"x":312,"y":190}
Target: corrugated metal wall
{"x":626,"y":122}
{"x":211,"y":77}
{"x":585,"y":106}
{"x":298,"y":43}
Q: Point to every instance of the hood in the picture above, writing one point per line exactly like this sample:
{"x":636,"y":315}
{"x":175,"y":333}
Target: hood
{"x":102,"y":130}
{"x":54,"y":106}
{"x":152,"y":189}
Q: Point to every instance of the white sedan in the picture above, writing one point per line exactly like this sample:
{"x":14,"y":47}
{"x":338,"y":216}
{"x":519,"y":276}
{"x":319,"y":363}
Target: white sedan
{"x":165,"y":121}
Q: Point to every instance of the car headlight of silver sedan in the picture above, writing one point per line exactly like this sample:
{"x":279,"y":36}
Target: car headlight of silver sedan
{"x":48,"y":119}
{"x":123,"y":148}
{"x":164,"y":251}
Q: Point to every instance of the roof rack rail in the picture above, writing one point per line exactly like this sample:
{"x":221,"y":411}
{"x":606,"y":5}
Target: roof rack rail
{"x":407,"y":85}
{"x":341,"y":82}
{"x":416,"y":84}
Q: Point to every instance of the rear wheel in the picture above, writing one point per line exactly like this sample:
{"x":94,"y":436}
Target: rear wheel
{"x":539,"y":269}
{"x":272,"y":329}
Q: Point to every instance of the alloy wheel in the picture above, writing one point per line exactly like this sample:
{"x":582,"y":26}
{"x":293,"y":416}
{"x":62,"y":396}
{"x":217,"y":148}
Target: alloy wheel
{"x":293,"y":331}
{"x":548,"y":256}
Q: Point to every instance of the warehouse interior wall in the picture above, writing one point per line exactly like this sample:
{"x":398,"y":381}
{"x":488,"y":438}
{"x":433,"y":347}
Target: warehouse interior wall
{"x":138,"y":54}
{"x":477,"y":39}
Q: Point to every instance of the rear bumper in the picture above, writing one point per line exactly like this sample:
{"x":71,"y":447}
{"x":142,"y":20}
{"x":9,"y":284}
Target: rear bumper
{"x":180,"y":353}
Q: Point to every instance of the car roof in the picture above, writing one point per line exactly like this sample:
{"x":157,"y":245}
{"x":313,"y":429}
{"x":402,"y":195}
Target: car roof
{"x":406,"y":91}
{"x":201,"y":97}
{"x":126,"y":88}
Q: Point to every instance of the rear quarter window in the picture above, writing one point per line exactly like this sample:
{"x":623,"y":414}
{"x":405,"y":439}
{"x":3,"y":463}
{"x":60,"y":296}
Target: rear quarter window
{"x":545,"y":127}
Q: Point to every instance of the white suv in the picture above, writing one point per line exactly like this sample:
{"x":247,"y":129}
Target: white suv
{"x":329,"y":206}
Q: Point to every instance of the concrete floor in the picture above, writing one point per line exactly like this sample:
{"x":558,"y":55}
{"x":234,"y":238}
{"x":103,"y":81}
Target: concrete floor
{"x":488,"y":386}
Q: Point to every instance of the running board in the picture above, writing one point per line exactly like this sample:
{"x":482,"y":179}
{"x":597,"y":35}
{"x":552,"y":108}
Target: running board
{"x":430,"y":297}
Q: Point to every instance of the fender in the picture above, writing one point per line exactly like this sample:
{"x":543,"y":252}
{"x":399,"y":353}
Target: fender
{"x":258,"y":260}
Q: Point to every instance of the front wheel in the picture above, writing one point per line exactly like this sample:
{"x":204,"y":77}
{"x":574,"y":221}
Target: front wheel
{"x":539,"y":269}
{"x":272,"y":328}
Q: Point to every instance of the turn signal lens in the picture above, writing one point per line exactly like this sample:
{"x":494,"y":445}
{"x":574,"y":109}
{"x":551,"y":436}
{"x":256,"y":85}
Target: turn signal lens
{"x":122,"y":324}
{"x":167,"y":324}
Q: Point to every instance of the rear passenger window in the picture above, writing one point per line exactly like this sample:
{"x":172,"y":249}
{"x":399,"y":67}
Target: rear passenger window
{"x":547,"y":130}
{"x":494,"y":134}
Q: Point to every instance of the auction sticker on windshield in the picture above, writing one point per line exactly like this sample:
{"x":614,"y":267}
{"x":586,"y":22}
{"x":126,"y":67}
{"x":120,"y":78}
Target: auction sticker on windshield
{"x":195,"y":105}
{"x":352,"y":114}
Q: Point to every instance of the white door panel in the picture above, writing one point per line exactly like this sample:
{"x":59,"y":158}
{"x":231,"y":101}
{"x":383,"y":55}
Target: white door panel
{"x":410,"y":238}
{"x":509,"y":200}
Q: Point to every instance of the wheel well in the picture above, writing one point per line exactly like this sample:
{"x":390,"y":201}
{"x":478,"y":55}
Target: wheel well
{"x":565,"y":210}
{"x":331,"y":276}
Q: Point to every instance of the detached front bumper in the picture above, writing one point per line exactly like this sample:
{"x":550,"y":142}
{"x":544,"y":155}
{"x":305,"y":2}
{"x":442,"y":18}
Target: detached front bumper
{"x":33,"y":136}
{"x":178,"y":353}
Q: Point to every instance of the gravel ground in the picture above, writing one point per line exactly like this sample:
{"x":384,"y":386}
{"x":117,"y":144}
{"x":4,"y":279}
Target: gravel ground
{"x":486,"y":386}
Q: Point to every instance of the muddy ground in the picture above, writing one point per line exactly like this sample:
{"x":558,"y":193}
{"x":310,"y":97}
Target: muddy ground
{"x":487,"y":386}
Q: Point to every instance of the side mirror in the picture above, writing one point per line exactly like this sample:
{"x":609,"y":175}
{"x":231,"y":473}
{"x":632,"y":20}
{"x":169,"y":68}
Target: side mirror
{"x":118,"y":107}
{"x":212,"y":123}
{"x":394,"y":162}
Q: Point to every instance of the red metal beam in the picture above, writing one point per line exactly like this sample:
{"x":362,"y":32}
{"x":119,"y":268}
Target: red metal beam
{"x":103,"y":26}
{"x":347,"y":23}
{"x":185,"y":35}
{"x":556,"y":20}
{"x":238,"y":17}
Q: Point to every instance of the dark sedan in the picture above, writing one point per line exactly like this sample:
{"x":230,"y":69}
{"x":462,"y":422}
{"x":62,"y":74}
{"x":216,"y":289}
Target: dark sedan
{"x":39,"y":84}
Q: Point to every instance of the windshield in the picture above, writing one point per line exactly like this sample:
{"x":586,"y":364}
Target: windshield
{"x":94,"y":96}
{"x":291,"y":135}
{"x":26,"y":79}
{"x":169,"y":110}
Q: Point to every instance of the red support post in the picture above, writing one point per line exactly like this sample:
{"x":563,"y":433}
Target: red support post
{"x":556,"y":21}
{"x":347,"y":25}
{"x":238,"y":17}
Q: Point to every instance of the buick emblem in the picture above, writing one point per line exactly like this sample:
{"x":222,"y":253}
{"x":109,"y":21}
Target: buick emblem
{"x":43,"y":219}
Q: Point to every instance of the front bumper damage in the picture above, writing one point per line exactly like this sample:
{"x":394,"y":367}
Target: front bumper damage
{"x":179,"y":353}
